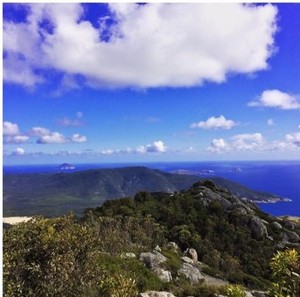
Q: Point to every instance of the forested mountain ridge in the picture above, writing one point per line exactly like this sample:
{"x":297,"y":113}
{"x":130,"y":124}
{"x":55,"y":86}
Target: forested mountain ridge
{"x":53,"y":194}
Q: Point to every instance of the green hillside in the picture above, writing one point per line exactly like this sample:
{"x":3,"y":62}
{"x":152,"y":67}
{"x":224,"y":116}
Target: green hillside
{"x":55,"y":194}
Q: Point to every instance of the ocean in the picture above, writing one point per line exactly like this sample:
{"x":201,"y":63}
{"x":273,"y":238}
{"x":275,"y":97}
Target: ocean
{"x":277,"y":177}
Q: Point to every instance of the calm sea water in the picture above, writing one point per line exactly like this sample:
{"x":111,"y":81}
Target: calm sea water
{"x":281,"y":178}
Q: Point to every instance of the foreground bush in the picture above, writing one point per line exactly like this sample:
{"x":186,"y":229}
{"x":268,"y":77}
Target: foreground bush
{"x":56,"y":257}
{"x":286,"y":274}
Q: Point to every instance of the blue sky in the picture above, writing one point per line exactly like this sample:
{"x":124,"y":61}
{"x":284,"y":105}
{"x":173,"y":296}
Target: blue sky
{"x":153,"y":82}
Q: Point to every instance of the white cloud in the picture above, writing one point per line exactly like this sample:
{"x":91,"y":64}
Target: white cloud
{"x":78,"y":138}
{"x":270,"y":122}
{"x":16,"y":139}
{"x":255,"y":143}
{"x":293,"y":138}
{"x":150,"y":45}
{"x":11,"y":134}
{"x":18,"y":152}
{"x":52,"y":138}
{"x":39,"y":131}
{"x":155,"y":147}
{"x":240,"y":142}
{"x":247,"y":141}
{"x":277,"y":99}
{"x":10,"y":129}
{"x":215,"y":123}
{"x":218,"y":145}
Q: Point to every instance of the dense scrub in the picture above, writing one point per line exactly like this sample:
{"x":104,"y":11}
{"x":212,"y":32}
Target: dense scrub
{"x":70,"y":256}
{"x":222,"y":239}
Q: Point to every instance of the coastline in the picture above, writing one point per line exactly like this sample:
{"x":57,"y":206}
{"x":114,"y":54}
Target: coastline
{"x":15,"y":220}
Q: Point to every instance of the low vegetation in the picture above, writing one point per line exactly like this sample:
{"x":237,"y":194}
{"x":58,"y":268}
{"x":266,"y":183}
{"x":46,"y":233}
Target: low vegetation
{"x":87,"y":256}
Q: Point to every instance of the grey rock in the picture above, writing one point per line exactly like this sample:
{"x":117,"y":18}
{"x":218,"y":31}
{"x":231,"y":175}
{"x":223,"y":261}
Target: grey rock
{"x":209,"y":196}
{"x":276,"y":225}
{"x":191,"y":253}
{"x":156,"y":294}
{"x":187,"y":260}
{"x":258,"y":229}
{"x":128,"y":255}
{"x":291,"y":236}
{"x":152,"y":260}
{"x":164,"y":275}
{"x":288,"y":224}
{"x":191,"y":273}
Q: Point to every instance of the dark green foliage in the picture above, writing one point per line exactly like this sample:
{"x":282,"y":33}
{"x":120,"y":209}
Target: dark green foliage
{"x":66,"y":257}
{"x":222,"y":238}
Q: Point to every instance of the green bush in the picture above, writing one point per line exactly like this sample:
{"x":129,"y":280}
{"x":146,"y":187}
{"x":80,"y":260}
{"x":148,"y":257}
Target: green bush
{"x":235,"y":291}
{"x":286,"y":274}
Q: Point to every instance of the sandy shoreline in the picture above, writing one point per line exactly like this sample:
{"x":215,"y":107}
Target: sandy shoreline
{"x":15,"y":220}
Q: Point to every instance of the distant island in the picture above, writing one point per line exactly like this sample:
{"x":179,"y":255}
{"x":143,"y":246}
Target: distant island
{"x":66,"y":166}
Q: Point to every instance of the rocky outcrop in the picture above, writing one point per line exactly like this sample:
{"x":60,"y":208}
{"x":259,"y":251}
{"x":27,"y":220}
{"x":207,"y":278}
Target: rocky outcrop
{"x":276,"y":225}
{"x":191,"y":253}
{"x":290,"y":236}
{"x":152,"y":260}
{"x":191,"y":273}
{"x":164,"y":275}
{"x":258,"y":229}
{"x":156,"y":294}
{"x":187,"y":260}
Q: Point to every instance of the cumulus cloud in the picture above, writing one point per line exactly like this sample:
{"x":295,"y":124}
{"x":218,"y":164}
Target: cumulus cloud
{"x":16,"y":139}
{"x":155,"y":147}
{"x":151,"y":45}
{"x":255,"y":142}
{"x":218,"y":145}
{"x":39,"y":131}
{"x":78,"y":138}
{"x":270,"y":122}
{"x":240,"y":142}
{"x":57,"y":138}
{"x":215,"y":123}
{"x":52,"y":138}
{"x":277,"y":99}
{"x":293,"y":138}
{"x":12,"y":135}
{"x":247,"y":141}
{"x":10,"y":129}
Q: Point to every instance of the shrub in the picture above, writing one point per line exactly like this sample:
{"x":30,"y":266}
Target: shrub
{"x":235,"y":291}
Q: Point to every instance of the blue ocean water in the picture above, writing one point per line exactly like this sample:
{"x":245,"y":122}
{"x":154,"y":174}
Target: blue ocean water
{"x":281,"y":177}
